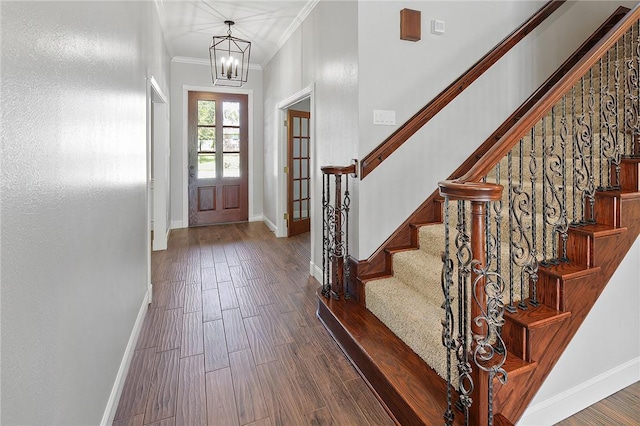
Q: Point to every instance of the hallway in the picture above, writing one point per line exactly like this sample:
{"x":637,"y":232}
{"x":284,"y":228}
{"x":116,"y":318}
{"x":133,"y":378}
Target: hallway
{"x":231,"y":338}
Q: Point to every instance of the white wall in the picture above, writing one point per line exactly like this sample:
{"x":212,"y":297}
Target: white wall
{"x":395,"y":189}
{"x":197,"y":76}
{"x":321,"y":52}
{"x":74,"y":241}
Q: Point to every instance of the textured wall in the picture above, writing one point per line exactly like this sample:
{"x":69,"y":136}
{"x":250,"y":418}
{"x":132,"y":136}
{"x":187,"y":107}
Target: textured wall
{"x":322,"y":51}
{"x":73,"y":200}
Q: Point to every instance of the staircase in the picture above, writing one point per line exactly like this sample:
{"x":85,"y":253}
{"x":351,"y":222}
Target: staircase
{"x":478,"y":293}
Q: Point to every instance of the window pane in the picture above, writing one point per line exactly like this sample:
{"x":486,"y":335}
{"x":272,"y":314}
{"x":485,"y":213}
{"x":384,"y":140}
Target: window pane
{"x":296,"y":147}
{"x":206,"y":166}
{"x":231,"y":139}
{"x":296,"y":126}
{"x":206,"y":112}
{"x":305,"y":145}
{"x":231,"y":113}
{"x":296,"y":189}
{"x":305,"y":127}
{"x":305,"y":168}
{"x":305,"y":183}
{"x":206,"y":139}
{"x":296,"y":169}
{"x":231,"y":165}
{"x":305,"y":209}
{"x":296,"y":210}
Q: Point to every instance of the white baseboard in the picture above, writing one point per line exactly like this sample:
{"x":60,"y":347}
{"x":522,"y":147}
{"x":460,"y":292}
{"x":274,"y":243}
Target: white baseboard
{"x":116,"y":391}
{"x":571,"y":401}
{"x":270,"y":225}
{"x":177,"y":224}
{"x":256,"y":218}
{"x":315,"y":271}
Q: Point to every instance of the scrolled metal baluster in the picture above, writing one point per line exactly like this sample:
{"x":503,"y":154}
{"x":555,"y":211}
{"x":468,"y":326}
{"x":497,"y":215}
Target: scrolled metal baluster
{"x":520,"y":207}
{"x":609,"y":144}
{"x":552,"y":197}
{"x":486,"y":355}
{"x":591,"y":190}
{"x":632,"y":113}
{"x":532,"y":267}
{"x":345,"y":206}
{"x":326,"y":244}
{"x":448,"y":340}
{"x":563,"y":224}
{"x":464,"y":256}
{"x":617,"y":155}
{"x":510,"y":307}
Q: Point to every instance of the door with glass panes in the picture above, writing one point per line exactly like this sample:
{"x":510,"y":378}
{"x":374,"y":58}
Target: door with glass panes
{"x":299,"y":190}
{"x":218,"y":158}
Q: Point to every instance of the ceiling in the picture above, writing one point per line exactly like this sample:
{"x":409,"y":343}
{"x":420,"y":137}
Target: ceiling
{"x":189,"y":25}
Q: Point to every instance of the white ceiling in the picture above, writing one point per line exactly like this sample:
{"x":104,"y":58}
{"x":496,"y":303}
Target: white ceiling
{"x":189,"y":25}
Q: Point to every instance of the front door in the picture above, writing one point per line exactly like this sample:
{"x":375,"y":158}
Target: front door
{"x":218,"y":158}
{"x":299,"y":198}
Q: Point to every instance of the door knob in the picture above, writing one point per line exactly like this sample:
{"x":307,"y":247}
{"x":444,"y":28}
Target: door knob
{"x":191,"y":175}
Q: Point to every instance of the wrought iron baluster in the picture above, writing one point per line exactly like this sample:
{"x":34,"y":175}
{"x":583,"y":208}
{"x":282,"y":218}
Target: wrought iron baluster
{"x":563,"y":224}
{"x":347,"y":268}
{"x":545,"y":187}
{"x":632,"y":114}
{"x":552,"y":202}
{"x":326,"y":200}
{"x":600,"y":125}
{"x":609,"y":145}
{"x":464,"y":256}
{"x":592,"y":186}
{"x":489,"y":356}
{"x":510,"y":307}
{"x":447,"y":322}
{"x":520,"y":210}
{"x":532,"y":266}
{"x":574,"y":130}
{"x":617,"y":155}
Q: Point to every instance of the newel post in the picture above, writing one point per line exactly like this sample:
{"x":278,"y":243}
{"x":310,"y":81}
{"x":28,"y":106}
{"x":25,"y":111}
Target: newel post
{"x":478,"y":195}
{"x":335,"y":230}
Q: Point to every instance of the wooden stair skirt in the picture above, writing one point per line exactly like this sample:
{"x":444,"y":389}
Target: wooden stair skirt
{"x":414,"y":394}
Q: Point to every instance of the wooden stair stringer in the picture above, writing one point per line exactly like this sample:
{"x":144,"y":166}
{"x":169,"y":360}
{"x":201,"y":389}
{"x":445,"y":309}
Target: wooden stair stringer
{"x":579,"y":296}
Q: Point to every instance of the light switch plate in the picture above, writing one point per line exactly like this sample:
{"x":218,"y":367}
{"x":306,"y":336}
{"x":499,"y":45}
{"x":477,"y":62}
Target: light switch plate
{"x":384,"y":118}
{"x":437,"y":27}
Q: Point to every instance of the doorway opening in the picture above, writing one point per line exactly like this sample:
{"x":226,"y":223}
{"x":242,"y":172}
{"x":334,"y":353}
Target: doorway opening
{"x":298,"y":168}
{"x":158,"y":178}
{"x":287,"y":194}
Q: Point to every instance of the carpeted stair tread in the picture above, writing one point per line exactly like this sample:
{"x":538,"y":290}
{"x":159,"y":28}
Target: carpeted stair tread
{"x":411,"y":316}
{"x":420,"y":271}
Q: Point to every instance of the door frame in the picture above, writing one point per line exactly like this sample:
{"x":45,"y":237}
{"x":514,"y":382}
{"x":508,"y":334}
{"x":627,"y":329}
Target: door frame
{"x":154,"y":95}
{"x":281,"y":195}
{"x":185,"y":144}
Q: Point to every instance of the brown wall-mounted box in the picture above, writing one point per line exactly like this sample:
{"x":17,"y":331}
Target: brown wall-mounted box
{"x":410,"y":25}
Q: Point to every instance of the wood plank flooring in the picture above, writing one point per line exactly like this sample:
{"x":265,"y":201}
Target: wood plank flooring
{"x":231,"y":338}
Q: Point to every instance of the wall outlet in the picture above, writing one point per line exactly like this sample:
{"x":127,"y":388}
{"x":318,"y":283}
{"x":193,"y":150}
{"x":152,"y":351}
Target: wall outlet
{"x":384,"y":118}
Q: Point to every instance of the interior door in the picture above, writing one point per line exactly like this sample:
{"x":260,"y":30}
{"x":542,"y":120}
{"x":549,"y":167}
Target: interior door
{"x":218,"y":158}
{"x":299,"y":190}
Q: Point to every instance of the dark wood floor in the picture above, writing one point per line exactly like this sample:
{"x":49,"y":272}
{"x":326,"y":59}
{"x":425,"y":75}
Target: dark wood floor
{"x":231,"y":338}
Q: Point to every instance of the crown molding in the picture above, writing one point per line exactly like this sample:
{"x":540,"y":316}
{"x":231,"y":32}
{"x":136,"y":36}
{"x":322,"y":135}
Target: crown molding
{"x":200,"y":61}
{"x":306,"y":10}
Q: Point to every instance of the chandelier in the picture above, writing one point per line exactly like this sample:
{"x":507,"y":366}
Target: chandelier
{"x":229,"y":58}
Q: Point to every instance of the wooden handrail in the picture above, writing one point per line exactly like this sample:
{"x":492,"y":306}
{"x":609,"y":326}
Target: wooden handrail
{"x":415,"y":123}
{"x":471,"y":191}
{"x":544,"y":104}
